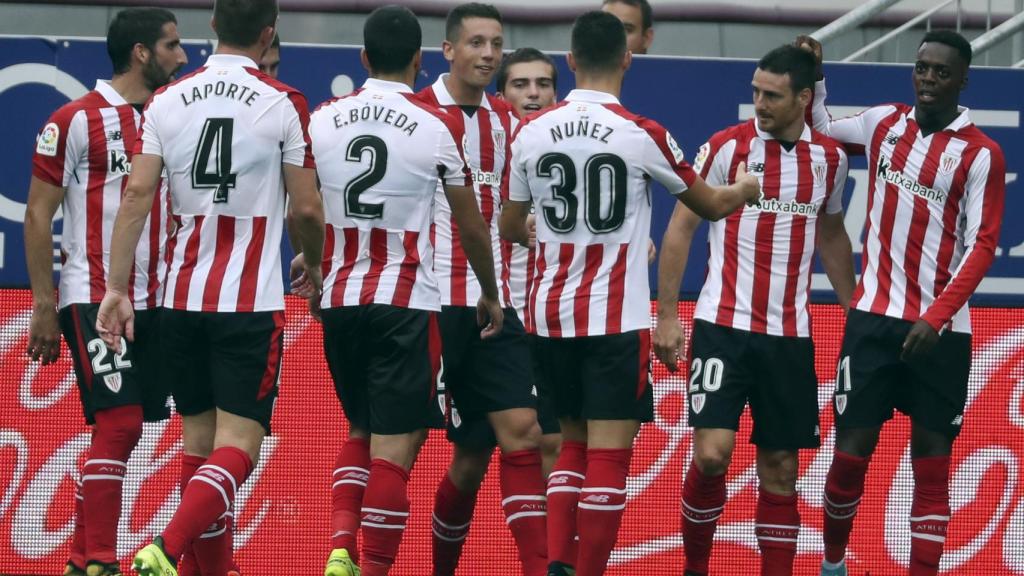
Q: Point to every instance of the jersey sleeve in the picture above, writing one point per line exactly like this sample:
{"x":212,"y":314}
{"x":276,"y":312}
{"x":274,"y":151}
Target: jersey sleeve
{"x":852,"y":131}
{"x":834,"y":204}
{"x":451,"y":161}
{"x":297,"y":149}
{"x":984,"y":196}
{"x":59,"y":145}
{"x":664,"y":160}
{"x":519,"y":185}
{"x":712,"y":162}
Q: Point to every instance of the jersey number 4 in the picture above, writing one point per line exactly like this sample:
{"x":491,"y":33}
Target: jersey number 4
{"x":601,"y":170}
{"x":216,"y":136}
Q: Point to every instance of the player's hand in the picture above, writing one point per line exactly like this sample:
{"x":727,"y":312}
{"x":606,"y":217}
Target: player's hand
{"x":749,"y":184}
{"x":921,"y":339}
{"x":115,"y":319}
{"x":814,"y":47}
{"x":314,"y":277}
{"x":668,"y":343}
{"x":300,"y":283}
{"x":489,"y":316}
{"x":531,"y":232}
{"x":652,"y":251}
{"x":44,"y":335}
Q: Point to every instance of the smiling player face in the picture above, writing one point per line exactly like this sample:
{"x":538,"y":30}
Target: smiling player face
{"x":476,"y":53}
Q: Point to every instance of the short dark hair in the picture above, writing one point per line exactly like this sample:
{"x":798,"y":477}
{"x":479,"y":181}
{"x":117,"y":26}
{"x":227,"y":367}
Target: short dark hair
{"x":797,"y":62}
{"x":453,"y":23}
{"x":598,"y":41}
{"x":952,"y":39}
{"x":391,"y":36}
{"x":646,"y":14}
{"x":524,"y":55}
{"x":240,"y":22}
{"x":133,"y":26}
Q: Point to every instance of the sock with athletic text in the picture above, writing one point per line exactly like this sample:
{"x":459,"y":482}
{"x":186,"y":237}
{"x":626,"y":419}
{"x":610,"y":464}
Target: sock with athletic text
{"x":453,"y":512}
{"x":929,"y":514}
{"x":844,"y":487}
{"x":702,"y":505}
{"x":351,"y":472}
{"x":777,"y":526}
{"x":525,"y":506}
{"x":115,"y":434}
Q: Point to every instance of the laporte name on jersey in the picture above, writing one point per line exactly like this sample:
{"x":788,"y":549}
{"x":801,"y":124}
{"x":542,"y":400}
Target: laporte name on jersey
{"x":243,"y":94}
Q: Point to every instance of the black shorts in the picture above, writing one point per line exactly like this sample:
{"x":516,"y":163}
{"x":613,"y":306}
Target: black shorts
{"x":478,"y":432}
{"x":384,"y":361}
{"x":598,"y":377}
{"x":225,"y":360}
{"x":108,"y":380}
{"x":483,"y":376}
{"x":730,"y":367}
{"x":871,"y":380}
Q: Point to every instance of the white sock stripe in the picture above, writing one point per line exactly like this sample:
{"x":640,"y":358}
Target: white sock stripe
{"x":705,"y":520}
{"x":846,"y":516}
{"x":530,"y":498}
{"x":91,"y":477}
{"x":773,"y":539}
{"x":931,"y":537}
{"x":99,"y":461}
{"x":385,"y":526}
{"x":700,"y":511}
{"x":219,"y":470}
{"x":387,"y":512}
{"x":605,"y":490}
{"x":215,"y":533}
{"x":779,"y":526}
{"x":352,"y":468}
{"x":565,"y":473}
{"x":449,"y":538}
{"x":563,"y":489}
{"x":929,"y":517}
{"x":348,"y":481}
{"x":211,"y":482}
{"x":513,"y":517}
{"x":586,"y":506}
{"x":79,"y":497}
{"x":847,"y":505}
{"x":449,"y":526}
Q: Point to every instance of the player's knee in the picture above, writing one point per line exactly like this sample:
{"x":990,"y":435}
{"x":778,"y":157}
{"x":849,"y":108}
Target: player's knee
{"x":550,"y":445}
{"x":858,"y":442}
{"x":712,"y":459}
{"x":468,"y":473}
{"x":117,"y":431}
{"x":518,"y":430}
{"x":777,"y":472}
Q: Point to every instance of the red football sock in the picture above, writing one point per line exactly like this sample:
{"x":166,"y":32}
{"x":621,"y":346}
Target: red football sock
{"x":385,"y":512}
{"x":703,"y":502}
{"x":351,"y":471}
{"x":777,"y":527}
{"x":929,"y":514}
{"x":522,"y":492}
{"x":187,"y":565}
{"x":77,"y":554}
{"x":208,"y":496}
{"x":114,"y":436}
{"x":564,"y":485}
{"x":844,"y":486}
{"x":601,"y":505}
{"x":453,"y":511}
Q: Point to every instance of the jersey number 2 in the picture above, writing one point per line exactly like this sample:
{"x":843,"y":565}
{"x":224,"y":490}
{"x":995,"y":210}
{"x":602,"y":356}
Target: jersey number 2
{"x":216,"y":134}
{"x":375,"y":173}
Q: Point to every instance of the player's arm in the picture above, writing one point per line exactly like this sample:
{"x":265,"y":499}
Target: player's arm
{"x":833,"y":242}
{"x":855,"y":130}
{"x":717,"y":202}
{"x":44,"y":332}
{"x":116,"y":317}
{"x":306,"y":215}
{"x":513,"y":225}
{"x":985,"y":192}
{"x":675,"y":250}
{"x":476,"y":241}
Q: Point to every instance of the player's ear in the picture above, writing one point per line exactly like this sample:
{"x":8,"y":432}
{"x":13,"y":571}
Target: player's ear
{"x":417,"y":61}
{"x":267,"y":36}
{"x":627,"y":60}
{"x":571,"y":61}
{"x":805,"y":96}
{"x":364,"y":60}
{"x":448,"y":50}
{"x":141,"y":53}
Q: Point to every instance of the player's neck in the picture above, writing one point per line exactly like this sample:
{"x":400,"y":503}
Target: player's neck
{"x":937,"y":121}
{"x":131,"y":87}
{"x":254,"y":52}
{"x":789,"y":133}
{"x":599,"y":83}
{"x":463,"y":93}
{"x":407,"y":77}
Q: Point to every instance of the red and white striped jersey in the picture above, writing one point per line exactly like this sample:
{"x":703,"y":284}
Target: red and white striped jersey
{"x":487,"y":147}
{"x":224,"y":132}
{"x":934,"y":212}
{"x":586,"y":164}
{"x":521,"y":263}
{"x":759,"y":267}
{"x":86,"y":148}
{"x":380,"y":155}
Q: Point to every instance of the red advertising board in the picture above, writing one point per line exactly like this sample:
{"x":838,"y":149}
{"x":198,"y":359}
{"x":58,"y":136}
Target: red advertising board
{"x":283,"y":511}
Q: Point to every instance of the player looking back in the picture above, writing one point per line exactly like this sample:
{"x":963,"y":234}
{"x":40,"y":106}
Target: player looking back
{"x":232,"y":139}
{"x":585,"y":165}
{"x":935,"y":208}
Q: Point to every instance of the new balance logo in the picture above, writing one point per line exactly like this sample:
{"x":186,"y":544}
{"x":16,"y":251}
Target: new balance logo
{"x":959,"y":420}
{"x":756,"y":168}
{"x":597,"y":498}
{"x":892,"y":138}
{"x":374,"y":518}
{"x":113,"y":136}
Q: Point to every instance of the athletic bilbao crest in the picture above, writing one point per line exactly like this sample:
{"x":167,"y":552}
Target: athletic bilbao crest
{"x":499,"y":138}
{"x":113,"y":382}
{"x":948,"y":163}
{"x":840,"y":403}
{"x":820,"y":171}
{"x":697,"y":402}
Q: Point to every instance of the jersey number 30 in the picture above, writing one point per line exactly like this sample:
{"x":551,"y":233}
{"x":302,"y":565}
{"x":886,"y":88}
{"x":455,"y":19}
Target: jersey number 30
{"x":599,"y":171}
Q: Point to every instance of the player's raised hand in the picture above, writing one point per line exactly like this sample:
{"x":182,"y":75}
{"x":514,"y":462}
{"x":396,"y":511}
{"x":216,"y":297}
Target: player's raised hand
{"x":115,"y":319}
{"x":808,"y":43}
{"x":920,"y":340}
{"x":489,"y":316}
{"x":750,"y":184}
{"x":44,"y":334}
{"x":668,"y":343}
